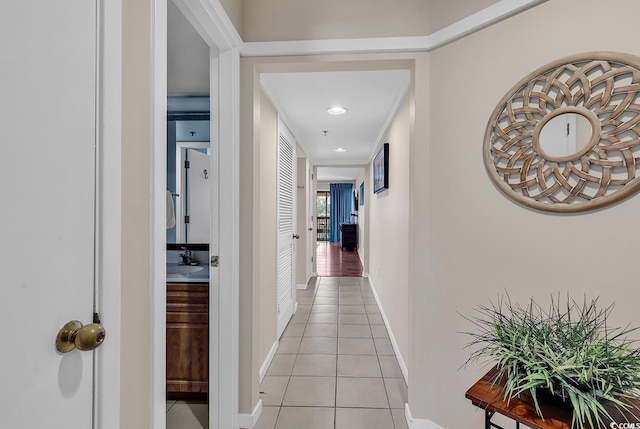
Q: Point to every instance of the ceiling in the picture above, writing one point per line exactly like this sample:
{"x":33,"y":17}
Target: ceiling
{"x":371,"y":97}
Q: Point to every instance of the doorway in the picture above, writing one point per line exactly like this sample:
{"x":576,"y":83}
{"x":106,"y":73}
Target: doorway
{"x":221,"y":59}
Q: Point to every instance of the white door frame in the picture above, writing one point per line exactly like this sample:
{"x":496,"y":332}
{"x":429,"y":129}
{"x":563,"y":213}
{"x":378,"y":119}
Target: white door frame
{"x":213,"y":25}
{"x":109,"y":137}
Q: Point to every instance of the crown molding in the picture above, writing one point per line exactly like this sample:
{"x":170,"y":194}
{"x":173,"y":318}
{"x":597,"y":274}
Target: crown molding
{"x":479,"y":20}
{"x":211,"y":22}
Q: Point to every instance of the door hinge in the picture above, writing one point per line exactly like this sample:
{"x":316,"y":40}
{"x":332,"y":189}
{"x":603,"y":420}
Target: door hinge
{"x":312,"y":259}
{"x":187,"y":164}
{"x":186,"y":219}
{"x":215,"y":261}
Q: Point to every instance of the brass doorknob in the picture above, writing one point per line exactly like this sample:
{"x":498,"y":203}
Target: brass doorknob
{"x":75,"y":336}
{"x":296,"y":236}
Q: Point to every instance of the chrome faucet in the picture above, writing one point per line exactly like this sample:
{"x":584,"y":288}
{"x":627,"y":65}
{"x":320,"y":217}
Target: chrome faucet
{"x":187,"y":258}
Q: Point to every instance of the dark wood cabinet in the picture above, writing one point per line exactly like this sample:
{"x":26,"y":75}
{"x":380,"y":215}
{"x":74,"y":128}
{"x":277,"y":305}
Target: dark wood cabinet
{"x":187,"y":340}
{"x":349,"y":236}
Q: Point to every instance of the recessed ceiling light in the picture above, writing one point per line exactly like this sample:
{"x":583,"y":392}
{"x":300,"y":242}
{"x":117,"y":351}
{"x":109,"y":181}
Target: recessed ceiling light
{"x":340,"y":150}
{"x":336,"y":110}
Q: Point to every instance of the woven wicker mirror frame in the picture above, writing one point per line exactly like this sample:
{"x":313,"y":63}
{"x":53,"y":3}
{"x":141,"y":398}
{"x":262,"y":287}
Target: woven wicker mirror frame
{"x":604,"y":87}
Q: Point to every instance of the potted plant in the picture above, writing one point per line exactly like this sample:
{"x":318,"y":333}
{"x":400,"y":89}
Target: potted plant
{"x":567,"y":351}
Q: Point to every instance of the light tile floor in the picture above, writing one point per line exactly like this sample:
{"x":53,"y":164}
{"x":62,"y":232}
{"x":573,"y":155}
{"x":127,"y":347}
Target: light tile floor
{"x":187,"y":415}
{"x":335,"y":367}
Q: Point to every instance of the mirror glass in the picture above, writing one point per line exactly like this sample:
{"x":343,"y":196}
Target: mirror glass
{"x":188,"y":183}
{"x":565,"y":135}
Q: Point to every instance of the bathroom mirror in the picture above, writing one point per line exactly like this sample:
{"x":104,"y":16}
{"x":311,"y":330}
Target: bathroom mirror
{"x":566,"y":137}
{"x":188,"y":177}
{"x":193,"y":186}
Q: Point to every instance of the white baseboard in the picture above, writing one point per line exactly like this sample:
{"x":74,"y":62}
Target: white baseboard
{"x":301,"y":286}
{"x":418,"y":423}
{"x":248,"y":421}
{"x":365,"y":275}
{"x":267,"y":361}
{"x":394,"y":343}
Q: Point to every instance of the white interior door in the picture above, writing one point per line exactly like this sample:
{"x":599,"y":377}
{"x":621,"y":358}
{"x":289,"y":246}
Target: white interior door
{"x":198,"y":196}
{"x":286,"y":209}
{"x":48,"y":113}
{"x":187,"y":196}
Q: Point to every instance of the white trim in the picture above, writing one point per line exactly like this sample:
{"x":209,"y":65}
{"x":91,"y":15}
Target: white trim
{"x":479,"y":20}
{"x":248,"y":421}
{"x":269,"y":359}
{"x":157,"y":245}
{"x":335,"y":46}
{"x":228,"y":90}
{"x":110,"y":123}
{"x":301,"y":286}
{"x":394,"y":343}
{"x":214,"y":243}
{"x":212,"y":23}
{"x":413,"y":423}
{"x":495,"y":13}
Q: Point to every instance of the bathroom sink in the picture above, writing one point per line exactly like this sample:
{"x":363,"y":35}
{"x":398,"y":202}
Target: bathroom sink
{"x":183,"y":269}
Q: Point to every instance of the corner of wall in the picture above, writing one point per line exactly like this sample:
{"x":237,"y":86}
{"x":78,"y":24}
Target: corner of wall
{"x":414,"y":423}
{"x":249,"y":421}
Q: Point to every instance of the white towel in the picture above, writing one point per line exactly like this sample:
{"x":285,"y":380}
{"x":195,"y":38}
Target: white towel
{"x":171,"y":213}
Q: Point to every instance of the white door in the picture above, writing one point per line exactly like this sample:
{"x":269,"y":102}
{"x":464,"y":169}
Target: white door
{"x":286,"y":206}
{"x":193,"y":191}
{"x":197,"y":196}
{"x":47,"y":113}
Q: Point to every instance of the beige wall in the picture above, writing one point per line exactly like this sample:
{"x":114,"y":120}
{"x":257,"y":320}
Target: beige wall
{"x":335,"y":19}
{"x":443,"y":13}
{"x":233,"y":8}
{"x":471,"y":243}
{"x":389,"y":227}
{"x":249,"y":340}
{"x":135,"y":401}
{"x":266,"y":213}
{"x":331,"y":19}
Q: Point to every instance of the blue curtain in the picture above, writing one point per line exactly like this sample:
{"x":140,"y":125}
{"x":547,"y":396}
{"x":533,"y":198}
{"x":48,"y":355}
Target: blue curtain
{"x":341,"y":195}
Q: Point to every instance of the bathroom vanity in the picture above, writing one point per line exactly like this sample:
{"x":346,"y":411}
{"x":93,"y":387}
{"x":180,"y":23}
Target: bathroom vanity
{"x":187,"y":328}
{"x":187,"y":340}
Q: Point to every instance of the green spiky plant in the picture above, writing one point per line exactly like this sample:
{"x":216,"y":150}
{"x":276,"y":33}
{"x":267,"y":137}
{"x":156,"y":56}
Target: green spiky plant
{"x":568,"y":349}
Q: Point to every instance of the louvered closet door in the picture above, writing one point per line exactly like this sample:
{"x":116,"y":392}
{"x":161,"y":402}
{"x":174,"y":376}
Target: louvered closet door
{"x":285,"y":265}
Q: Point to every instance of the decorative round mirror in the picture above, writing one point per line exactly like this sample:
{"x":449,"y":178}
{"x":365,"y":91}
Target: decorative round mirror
{"x":566,"y":138}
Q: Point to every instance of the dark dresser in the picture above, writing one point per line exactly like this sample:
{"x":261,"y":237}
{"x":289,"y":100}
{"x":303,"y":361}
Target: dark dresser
{"x":349,"y":236}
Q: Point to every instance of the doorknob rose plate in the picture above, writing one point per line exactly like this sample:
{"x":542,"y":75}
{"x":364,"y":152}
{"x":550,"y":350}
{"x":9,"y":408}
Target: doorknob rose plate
{"x":74,"y":335}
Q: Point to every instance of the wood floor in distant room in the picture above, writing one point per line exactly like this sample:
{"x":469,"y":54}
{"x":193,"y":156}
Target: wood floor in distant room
{"x":335,"y":262}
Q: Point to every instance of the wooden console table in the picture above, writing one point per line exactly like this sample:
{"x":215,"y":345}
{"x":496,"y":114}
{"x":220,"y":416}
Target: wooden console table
{"x":489,"y":396}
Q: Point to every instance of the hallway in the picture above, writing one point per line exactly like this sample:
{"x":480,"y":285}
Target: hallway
{"x":335,"y":367}
{"x":333,"y":262}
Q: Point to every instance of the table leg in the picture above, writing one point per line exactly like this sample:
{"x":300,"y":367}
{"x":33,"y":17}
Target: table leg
{"x":488,"y":424}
